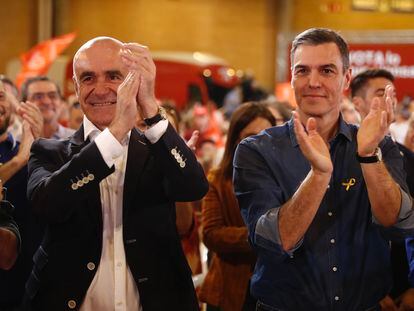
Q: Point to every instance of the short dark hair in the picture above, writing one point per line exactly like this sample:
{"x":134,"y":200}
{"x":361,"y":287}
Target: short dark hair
{"x":6,"y":80}
{"x":25,"y":87}
{"x":241,"y":118}
{"x":359,"y":82}
{"x":317,"y":36}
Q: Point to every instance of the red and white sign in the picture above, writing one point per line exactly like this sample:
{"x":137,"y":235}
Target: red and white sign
{"x":396,"y":58}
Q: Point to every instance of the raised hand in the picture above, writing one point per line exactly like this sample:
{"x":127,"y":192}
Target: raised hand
{"x":312,"y":145}
{"x":26,"y":143}
{"x":138,"y":58}
{"x":375,"y":125}
{"x":192,"y":142}
{"x":33,"y":116}
{"x":126,"y":108}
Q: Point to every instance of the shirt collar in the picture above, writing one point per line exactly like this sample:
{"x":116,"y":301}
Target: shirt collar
{"x":91,"y":131}
{"x":11,"y":141}
{"x":344,"y":130}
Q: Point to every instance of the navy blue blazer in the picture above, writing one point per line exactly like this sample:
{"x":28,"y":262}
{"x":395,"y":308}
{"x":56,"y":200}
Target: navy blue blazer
{"x":154,"y":180}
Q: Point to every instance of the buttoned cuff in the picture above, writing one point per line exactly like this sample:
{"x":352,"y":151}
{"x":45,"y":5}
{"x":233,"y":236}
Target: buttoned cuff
{"x":267,"y":229}
{"x":109,"y":147}
{"x":155,"y":132}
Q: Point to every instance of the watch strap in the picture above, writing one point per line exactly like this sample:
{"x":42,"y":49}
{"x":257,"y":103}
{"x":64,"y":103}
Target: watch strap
{"x":157,"y":118}
{"x":371,"y":159}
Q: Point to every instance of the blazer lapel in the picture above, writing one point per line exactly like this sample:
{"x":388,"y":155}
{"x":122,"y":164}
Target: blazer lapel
{"x":138,"y":153}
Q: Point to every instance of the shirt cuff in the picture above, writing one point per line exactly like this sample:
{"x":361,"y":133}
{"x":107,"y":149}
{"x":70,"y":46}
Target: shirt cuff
{"x":155,"y":132}
{"x":405,"y":208}
{"x":267,"y":228}
{"x":109,"y":147}
{"x":406,"y":205}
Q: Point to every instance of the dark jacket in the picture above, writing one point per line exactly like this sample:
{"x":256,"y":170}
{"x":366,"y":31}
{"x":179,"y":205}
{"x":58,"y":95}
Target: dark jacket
{"x":154,"y":180}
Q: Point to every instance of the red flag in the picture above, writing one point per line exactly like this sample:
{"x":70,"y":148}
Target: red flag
{"x":38,"y":60}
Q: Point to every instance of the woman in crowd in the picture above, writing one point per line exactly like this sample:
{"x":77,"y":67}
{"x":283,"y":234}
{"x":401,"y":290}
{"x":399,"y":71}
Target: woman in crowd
{"x":224,"y":233}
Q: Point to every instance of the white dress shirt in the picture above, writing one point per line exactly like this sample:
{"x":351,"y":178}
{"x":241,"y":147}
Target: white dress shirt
{"x":113,"y":287}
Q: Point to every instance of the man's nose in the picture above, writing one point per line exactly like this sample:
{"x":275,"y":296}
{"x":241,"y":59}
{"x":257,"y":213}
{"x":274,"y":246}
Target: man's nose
{"x":46,"y":100}
{"x":314,"y":79}
{"x":101,"y":88}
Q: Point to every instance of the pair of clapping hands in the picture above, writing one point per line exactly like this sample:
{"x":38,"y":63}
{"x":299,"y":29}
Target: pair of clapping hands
{"x":372,"y":130}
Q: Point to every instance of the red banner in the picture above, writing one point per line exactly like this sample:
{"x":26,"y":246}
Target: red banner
{"x":38,"y":60}
{"x":397,"y":58}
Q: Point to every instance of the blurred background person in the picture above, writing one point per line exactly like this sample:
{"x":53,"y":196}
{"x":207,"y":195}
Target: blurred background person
{"x":399,"y":128}
{"x":280,"y":110}
{"x":14,"y":156}
{"x":349,"y":113}
{"x":409,"y":138}
{"x":364,"y":87}
{"x":46,"y":95}
{"x":15,"y":123}
{"x":75,"y":115}
{"x":205,"y":123}
{"x":224,"y":233}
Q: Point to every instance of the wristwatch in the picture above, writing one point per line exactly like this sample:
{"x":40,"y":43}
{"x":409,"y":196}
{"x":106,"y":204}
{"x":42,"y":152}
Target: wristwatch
{"x":377,"y":157}
{"x":161,"y":115}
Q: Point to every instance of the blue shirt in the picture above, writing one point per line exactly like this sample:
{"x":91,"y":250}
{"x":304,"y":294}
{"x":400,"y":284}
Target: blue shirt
{"x":342,"y":262}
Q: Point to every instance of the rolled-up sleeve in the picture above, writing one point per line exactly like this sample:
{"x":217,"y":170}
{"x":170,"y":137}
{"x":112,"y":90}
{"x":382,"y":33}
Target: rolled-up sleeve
{"x":394,"y":163}
{"x":260,"y":198}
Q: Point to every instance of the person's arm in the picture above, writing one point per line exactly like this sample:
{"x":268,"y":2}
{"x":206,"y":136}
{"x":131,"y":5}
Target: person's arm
{"x":217,"y":236}
{"x":385,"y":195}
{"x":8,"y":169}
{"x":296,"y":215}
{"x":9,"y":235}
{"x":32,"y":126}
{"x":8,"y":248}
{"x":262,"y":199}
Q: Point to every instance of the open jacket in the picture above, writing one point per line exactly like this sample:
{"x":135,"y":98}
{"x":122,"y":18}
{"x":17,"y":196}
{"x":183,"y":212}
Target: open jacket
{"x":154,"y":180}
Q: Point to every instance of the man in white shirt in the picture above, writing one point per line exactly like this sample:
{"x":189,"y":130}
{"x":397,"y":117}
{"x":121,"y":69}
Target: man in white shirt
{"x":108,"y":193}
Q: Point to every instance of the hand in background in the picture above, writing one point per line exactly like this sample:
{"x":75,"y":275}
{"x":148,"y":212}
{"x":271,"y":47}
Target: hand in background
{"x":33,"y":116}
{"x":375,"y":125}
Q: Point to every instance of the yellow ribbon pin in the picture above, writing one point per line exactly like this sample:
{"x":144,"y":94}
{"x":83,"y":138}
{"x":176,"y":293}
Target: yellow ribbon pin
{"x":349,"y":184}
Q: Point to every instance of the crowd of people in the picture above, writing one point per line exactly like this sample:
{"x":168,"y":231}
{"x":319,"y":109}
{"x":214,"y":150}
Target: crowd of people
{"x":110,"y":195}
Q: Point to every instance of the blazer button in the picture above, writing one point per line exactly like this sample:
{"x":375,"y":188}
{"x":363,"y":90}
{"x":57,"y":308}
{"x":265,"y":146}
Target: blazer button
{"x":72,"y":304}
{"x":80,"y":183}
{"x":85,"y":180}
{"x":182,"y":164}
{"x":91,"y":177}
{"x":90,"y":266}
{"x":173,"y":152}
{"x":75,"y":186}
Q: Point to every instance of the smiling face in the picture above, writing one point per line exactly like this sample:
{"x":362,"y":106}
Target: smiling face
{"x":45,"y":95}
{"x":98,"y":71}
{"x":319,"y":80}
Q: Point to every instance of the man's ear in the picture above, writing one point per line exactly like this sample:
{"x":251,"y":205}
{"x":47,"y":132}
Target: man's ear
{"x":358,"y":103}
{"x":75,"y":85}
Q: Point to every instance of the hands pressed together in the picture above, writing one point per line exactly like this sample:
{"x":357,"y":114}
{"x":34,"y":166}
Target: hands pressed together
{"x":32,"y":122}
{"x":136,"y":92}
